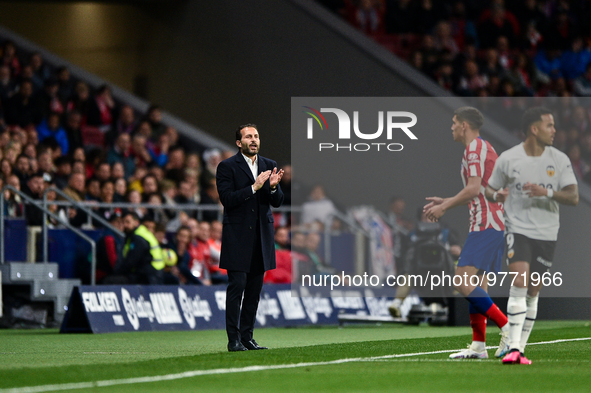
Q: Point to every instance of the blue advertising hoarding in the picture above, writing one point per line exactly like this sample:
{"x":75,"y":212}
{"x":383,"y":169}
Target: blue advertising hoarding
{"x":103,"y":309}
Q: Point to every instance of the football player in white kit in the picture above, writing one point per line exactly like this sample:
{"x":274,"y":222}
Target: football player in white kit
{"x":531,"y":179}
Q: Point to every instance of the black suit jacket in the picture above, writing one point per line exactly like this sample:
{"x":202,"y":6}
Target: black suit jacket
{"x":242,"y":208}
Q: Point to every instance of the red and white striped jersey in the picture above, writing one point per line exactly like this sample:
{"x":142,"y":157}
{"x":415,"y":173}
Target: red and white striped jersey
{"x":479,"y":160}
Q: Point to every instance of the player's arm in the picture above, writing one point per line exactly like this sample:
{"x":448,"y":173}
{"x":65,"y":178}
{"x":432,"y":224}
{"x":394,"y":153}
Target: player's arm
{"x":493,"y":195}
{"x":435,"y":210}
{"x":568,"y":195}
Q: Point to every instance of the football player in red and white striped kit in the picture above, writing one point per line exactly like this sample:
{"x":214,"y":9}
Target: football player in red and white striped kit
{"x":483,"y":251}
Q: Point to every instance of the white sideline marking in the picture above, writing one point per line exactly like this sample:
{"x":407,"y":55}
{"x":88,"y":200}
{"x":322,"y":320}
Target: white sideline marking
{"x":197,"y":373}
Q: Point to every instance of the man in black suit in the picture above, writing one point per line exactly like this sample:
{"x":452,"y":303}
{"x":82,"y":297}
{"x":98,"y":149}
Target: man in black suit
{"x":248,"y":185}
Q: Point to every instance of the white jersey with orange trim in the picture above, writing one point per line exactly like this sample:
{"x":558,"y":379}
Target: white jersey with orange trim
{"x":534,"y":217}
{"x":478,"y":161}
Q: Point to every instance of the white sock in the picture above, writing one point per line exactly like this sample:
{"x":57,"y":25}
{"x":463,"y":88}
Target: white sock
{"x":478,"y":346}
{"x":516,"y":309}
{"x":530,"y":319}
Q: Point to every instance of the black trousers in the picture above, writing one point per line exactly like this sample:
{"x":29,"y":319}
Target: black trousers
{"x":240,"y":318}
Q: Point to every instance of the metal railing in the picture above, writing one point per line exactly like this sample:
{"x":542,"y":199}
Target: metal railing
{"x":76,"y":204}
{"x":87,"y":207}
{"x":328,"y":229}
{"x":46,"y":210}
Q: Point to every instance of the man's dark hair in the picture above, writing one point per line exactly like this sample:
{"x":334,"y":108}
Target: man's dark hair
{"x":239,"y":134}
{"x":533,"y":115}
{"x":132,"y":214}
{"x":104,"y":182}
{"x":470,"y":115}
{"x":22,"y":155}
{"x":34,"y":175}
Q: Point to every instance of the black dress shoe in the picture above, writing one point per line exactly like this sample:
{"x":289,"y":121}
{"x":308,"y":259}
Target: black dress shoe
{"x":252,"y":345}
{"x":235,"y":346}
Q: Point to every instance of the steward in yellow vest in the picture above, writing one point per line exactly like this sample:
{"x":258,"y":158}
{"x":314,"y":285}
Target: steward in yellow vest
{"x":142,"y":261}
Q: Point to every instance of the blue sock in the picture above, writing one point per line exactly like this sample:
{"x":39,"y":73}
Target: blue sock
{"x":472,"y":309}
{"x":479,"y":301}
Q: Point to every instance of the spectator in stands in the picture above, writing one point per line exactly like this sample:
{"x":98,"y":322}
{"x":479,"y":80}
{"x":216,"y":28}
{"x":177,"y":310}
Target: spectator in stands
{"x":5,"y":168}
{"x":211,"y":158}
{"x":186,"y":195}
{"x":548,"y":64}
{"x":316,"y":264}
{"x":173,"y":136}
{"x":444,"y":40}
{"x":135,"y":181}
{"x":7,"y":84}
{"x":149,"y":186}
{"x":103,"y":171}
{"x":63,"y":170}
{"x":193,"y":162}
{"x":51,"y":128}
{"x":126,"y":123}
{"x":197,"y":265}
{"x":318,"y":208}
{"x":22,"y":168}
{"x":76,"y":190}
{"x":100,"y":113}
{"x":575,"y":60}
{"x":120,"y":186}
{"x":22,"y":109}
{"x":215,"y":240}
{"x":472,"y":80}
{"x":34,"y":188}
{"x":66,"y":85}
{"x":10,"y":59}
{"x":45,"y":163}
{"x":582,"y":85}
{"x":48,"y":98}
{"x":74,"y":130}
{"x":139,"y":150}
{"x":180,"y":246}
{"x":157,"y":214}
{"x":121,"y":153}
{"x":159,"y":151}
{"x":108,"y":249}
{"x":117,"y":171}
{"x":13,"y":204}
{"x":202,"y":252}
{"x":282,"y":239}
{"x":134,"y":196}
{"x":41,"y":70}
{"x":496,"y":21}
{"x":154,"y":117}
{"x":107,"y":193}
{"x":176,"y":164}
{"x":80,"y":102}
{"x":93,"y":189}
{"x":491,"y":65}
{"x":30,"y":150}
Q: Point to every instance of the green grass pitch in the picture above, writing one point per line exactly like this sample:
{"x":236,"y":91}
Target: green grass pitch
{"x":328,"y":359}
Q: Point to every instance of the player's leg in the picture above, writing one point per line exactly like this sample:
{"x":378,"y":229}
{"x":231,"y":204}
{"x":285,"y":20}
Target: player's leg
{"x":480,"y":253}
{"x":519,"y":254}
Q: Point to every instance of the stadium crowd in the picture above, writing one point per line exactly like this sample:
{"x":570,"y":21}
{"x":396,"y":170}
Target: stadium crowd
{"x":495,"y":48}
{"x":56,"y":131}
